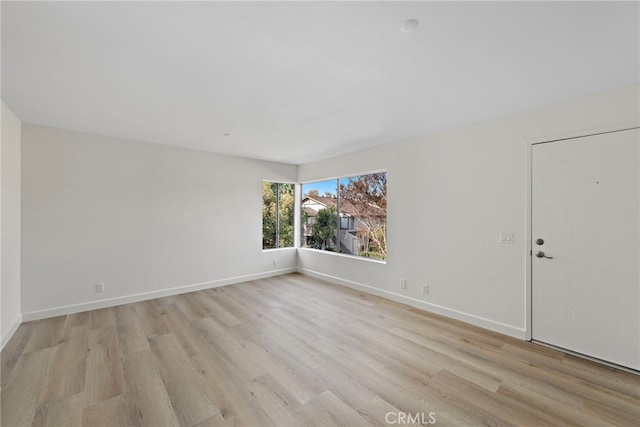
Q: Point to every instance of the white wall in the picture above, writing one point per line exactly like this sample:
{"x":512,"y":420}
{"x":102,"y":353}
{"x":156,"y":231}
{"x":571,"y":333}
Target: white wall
{"x":10,"y":317}
{"x":143,"y":218}
{"x":449,"y":196}
{"x":147,"y":219}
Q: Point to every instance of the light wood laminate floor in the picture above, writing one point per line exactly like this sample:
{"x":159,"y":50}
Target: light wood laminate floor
{"x":294,"y":351}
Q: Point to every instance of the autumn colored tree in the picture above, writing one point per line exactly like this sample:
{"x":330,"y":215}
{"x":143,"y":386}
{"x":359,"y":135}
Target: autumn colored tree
{"x":365,"y":199}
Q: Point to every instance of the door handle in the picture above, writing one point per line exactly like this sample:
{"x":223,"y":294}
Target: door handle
{"x":541,"y":254}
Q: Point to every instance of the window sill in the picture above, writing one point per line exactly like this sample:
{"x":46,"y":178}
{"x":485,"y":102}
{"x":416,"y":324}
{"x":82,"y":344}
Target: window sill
{"x":356,"y":257}
{"x":290,"y":248}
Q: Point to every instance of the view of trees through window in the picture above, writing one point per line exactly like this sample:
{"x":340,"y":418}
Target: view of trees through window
{"x":278,"y":209}
{"x":346,"y":215}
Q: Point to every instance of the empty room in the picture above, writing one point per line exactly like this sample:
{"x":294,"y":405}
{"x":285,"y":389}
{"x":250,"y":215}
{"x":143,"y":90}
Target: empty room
{"x":332,"y":213}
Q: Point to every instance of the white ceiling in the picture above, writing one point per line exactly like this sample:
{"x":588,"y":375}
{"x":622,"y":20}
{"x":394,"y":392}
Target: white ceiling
{"x":300,"y":81}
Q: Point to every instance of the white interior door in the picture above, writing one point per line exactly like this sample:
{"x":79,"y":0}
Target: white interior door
{"x":586,"y":208}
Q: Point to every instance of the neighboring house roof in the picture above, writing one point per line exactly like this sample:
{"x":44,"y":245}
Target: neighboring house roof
{"x":309,"y":211}
{"x":325,"y":201}
{"x":346,"y":206}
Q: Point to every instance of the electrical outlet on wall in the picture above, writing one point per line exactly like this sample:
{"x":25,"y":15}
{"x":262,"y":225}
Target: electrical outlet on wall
{"x":425,"y":288}
{"x":403,"y":283}
{"x":275,"y":262}
{"x":100,"y":287}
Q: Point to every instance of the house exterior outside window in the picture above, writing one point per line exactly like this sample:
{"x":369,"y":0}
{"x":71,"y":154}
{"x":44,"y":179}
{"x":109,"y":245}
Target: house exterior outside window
{"x":357,"y":214}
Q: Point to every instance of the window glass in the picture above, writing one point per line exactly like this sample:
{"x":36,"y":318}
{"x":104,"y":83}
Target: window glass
{"x":363,"y":211}
{"x":277,"y":215}
{"x":346,"y":215}
{"x":319,"y":215}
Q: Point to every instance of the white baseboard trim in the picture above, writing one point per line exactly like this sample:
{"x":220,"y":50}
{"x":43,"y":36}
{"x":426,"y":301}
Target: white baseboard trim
{"x":9,"y":334}
{"x":482,"y":322}
{"x":112,"y":302}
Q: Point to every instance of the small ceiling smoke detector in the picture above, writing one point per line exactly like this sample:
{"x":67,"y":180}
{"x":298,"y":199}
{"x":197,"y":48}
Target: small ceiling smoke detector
{"x":409,"y":26}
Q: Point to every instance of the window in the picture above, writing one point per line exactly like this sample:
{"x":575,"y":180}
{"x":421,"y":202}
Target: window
{"x":346,"y":215}
{"x":277,"y":215}
{"x":319,"y":215}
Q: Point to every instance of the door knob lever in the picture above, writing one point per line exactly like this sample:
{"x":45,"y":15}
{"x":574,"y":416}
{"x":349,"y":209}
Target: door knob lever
{"x":541,"y":254}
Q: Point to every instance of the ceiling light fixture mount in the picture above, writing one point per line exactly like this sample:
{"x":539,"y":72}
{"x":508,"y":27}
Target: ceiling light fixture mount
{"x":409,"y":26}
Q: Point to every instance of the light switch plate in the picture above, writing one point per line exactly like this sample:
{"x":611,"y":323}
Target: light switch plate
{"x":506,"y":238}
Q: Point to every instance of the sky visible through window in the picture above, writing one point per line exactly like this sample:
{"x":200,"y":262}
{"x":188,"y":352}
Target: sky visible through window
{"x":322,"y":187}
